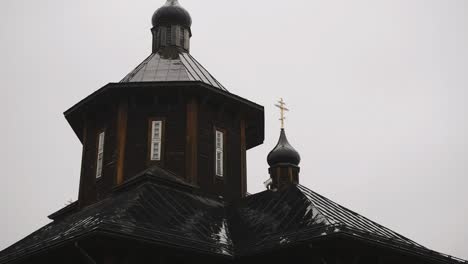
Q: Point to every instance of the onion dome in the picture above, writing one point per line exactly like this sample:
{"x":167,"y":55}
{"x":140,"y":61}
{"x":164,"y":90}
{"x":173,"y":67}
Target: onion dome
{"x":283,"y":153}
{"x":172,"y":13}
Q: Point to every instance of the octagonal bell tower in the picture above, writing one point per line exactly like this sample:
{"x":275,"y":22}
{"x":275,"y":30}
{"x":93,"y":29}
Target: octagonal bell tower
{"x":168,"y":112}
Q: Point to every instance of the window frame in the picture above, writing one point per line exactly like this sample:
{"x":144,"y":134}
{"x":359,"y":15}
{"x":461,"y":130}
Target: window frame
{"x":99,"y":169}
{"x":150,"y":140}
{"x":215,"y":152}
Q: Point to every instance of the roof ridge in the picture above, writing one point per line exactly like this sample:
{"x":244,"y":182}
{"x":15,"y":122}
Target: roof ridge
{"x":315,"y":206}
{"x":137,"y":68}
{"x":386,"y":229}
{"x":186,"y":64}
{"x":200,"y":65}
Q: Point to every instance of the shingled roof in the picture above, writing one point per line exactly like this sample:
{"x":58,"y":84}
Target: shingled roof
{"x":159,"y":208}
{"x":171,"y":65}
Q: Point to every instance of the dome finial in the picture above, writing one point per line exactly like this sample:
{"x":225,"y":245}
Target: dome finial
{"x":282,"y":106}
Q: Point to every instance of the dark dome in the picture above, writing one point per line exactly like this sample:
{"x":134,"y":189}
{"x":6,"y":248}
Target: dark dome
{"x":283,"y":152}
{"x":172,"y":13}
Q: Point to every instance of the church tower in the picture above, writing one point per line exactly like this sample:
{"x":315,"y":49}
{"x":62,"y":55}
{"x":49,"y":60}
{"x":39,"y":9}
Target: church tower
{"x":169,"y":112}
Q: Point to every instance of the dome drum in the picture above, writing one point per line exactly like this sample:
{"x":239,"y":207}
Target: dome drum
{"x":171,"y":36}
{"x":171,"y":27}
{"x":283,"y":175}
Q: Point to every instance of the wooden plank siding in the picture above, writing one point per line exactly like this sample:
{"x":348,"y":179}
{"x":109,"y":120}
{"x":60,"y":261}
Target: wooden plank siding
{"x":243,"y":158}
{"x":212,"y":117}
{"x":188,"y":141}
{"x":191,"y":161}
{"x":121,"y":139}
{"x":173,"y":142}
{"x":100,"y":119}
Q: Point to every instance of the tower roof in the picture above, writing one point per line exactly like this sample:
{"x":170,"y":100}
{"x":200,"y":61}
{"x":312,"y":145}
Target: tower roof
{"x":170,"y":60}
{"x":171,"y":65}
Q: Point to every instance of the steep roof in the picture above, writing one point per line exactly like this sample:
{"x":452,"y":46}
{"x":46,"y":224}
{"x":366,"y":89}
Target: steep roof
{"x":151,"y":207}
{"x":171,"y":64}
{"x":269,"y":219}
{"x":159,"y":208}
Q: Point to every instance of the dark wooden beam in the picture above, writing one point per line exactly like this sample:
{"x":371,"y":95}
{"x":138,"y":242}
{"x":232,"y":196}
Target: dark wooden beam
{"x":380,"y":260}
{"x":122,"y":118}
{"x":347,"y":258}
{"x":205,"y":99}
{"x":356,"y":259}
{"x":220,"y":111}
{"x":109,"y":259}
{"x":191,"y":156}
{"x":83,"y":164}
{"x":243,"y":159}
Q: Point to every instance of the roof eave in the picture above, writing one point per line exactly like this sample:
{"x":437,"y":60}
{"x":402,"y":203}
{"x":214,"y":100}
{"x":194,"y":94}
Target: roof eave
{"x":434,"y":255}
{"x":74,"y":118}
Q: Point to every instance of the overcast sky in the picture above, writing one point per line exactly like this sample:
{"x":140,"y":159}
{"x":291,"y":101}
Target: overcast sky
{"x":377,"y":91}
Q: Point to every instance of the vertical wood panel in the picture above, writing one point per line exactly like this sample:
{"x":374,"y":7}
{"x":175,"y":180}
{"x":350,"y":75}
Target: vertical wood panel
{"x":88,"y":189}
{"x":243,"y":158}
{"x":380,"y":260}
{"x":192,"y":141}
{"x":83,"y":163}
{"x":109,"y":259}
{"x":121,"y":140}
{"x":174,"y":143}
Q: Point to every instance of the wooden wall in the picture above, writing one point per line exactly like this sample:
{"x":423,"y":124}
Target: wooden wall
{"x":212,"y":117}
{"x":188,"y":148}
{"x":141,"y":110}
{"x":102,"y":118}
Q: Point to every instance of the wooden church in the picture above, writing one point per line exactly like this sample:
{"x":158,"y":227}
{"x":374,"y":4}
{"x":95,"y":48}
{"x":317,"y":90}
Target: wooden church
{"x":163,"y":179}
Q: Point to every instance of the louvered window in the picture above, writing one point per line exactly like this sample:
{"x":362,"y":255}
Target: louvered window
{"x":100,"y":155}
{"x":168,"y":36}
{"x":219,"y":163}
{"x":163,"y":31}
{"x":156,"y":140}
{"x":181,"y":37}
{"x":186,"y":39}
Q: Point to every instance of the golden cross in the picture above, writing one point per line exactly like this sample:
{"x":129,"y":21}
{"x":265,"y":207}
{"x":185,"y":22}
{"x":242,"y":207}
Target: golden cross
{"x":282,"y":106}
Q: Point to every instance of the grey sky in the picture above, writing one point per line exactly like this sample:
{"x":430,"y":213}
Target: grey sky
{"x":377,"y":91}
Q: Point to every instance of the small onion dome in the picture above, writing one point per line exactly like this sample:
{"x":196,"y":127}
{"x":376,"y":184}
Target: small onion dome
{"x":172,"y":13}
{"x":283,"y":153}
